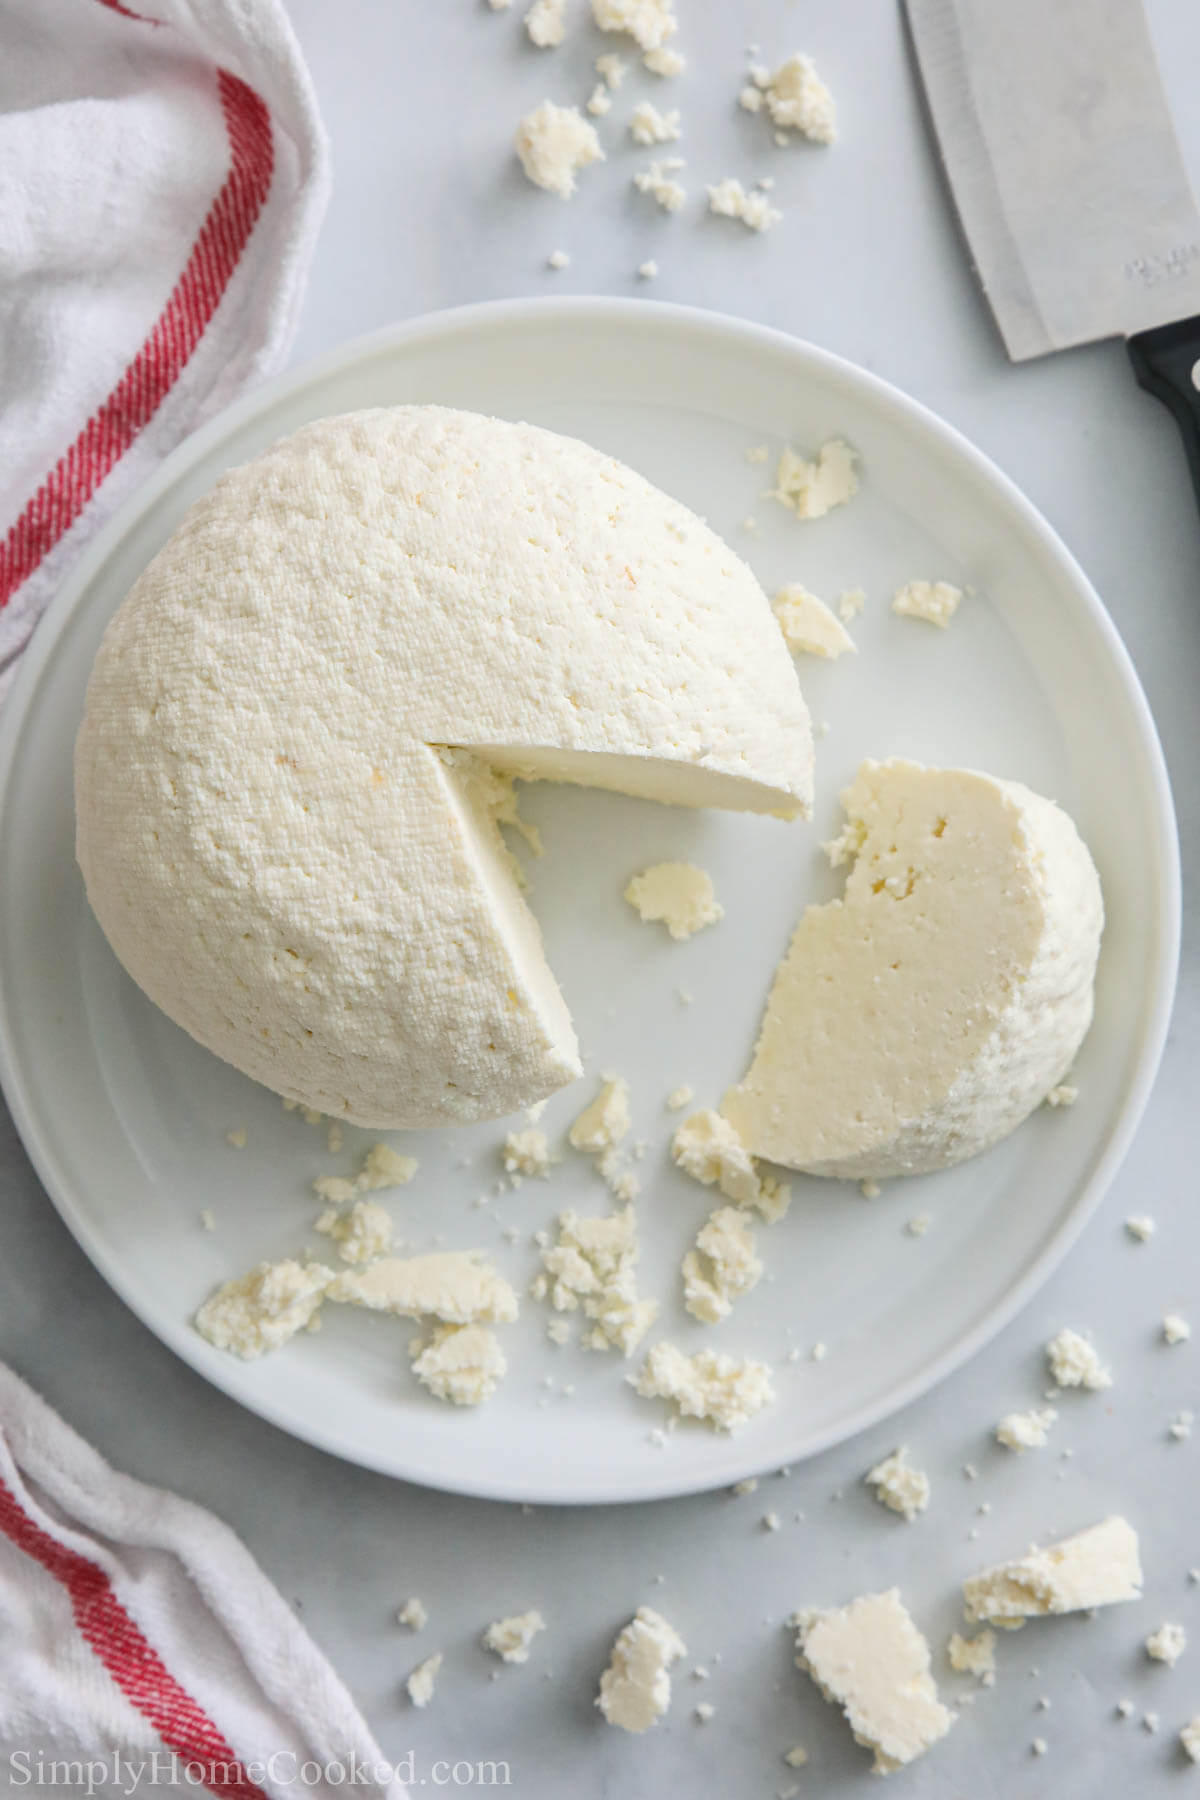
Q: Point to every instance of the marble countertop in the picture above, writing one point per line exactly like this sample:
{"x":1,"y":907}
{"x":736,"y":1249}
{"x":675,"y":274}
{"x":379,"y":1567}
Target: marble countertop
{"x":430,"y":211}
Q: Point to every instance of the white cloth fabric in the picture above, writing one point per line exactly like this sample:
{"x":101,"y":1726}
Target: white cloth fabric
{"x":134,"y":1625}
{"x":163,"y":174}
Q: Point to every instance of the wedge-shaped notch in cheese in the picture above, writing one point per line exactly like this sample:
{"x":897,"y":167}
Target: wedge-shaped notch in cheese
{"x":1097,"y":1567}
{"x":459,"y":1287}
{"x":923,"y":1016}
{"x":304,"y":720}
{"x":870,"y":1659}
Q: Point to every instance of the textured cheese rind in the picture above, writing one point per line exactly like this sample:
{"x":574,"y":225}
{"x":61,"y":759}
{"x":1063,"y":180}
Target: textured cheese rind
{"x":270,"y":839}
{"x":1097,"y":1567}
{"x":923,"y":1016}
{"x":635,"y":1689}
{"x":458,"y":1286}
{"x":870,"y":1659}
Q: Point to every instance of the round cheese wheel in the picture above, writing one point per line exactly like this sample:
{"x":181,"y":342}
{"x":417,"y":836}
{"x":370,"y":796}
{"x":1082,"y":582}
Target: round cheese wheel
{"x":301,"y":725}
{"x":922,"y":1016}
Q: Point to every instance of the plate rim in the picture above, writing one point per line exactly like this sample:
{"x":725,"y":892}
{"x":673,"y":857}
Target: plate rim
{"x":599,"y":309}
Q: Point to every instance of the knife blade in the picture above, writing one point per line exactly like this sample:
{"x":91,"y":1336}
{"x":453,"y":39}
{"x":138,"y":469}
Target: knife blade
{"x":1057,"y":140}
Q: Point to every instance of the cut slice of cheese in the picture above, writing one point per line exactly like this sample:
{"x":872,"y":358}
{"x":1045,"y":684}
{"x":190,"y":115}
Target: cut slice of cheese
{"x":922,"y":1016}
{"x":281,"y":831}
{"x":460,"y":1287}
{"x":1097,"y":1567}
{"x":870,"y":1659}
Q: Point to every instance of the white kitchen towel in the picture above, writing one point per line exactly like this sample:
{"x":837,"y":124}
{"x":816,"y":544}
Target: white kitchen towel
{"x":163,"y":174}
{"x":140,"y":1641}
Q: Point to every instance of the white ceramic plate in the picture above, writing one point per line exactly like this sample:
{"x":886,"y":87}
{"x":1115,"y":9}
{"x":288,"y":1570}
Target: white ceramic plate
{"x":126,"y":1118}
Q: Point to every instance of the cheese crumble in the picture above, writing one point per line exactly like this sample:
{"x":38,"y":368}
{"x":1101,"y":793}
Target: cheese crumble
{"x":710,"y":1385}
{"x":659,"y":182}
{"x":677,"y":894}
{"x":973,"y":1655}
{"x":461,"y":1363}
{"x":796,"y":99}
{"x":1167,"y":1644}
{"x":528,"y":1153}
{"x":648,"y":22}
{"x":934,"y":601}
{"x":722,"y":1266}
{"x":263,"y":1309}
{"x":649,"y":126}
{"x":554,"y":143}
{"x":546,"y":23}
{"x":593,"y":1265}
{"x":423,"y":1679}
{"x":635,"y":1688}
{"x":1073,"y":1362}
{"x":362,"y":1233}
{"x":1025,"y":1431}
{"x":510,"y":1639}
{"x":807,"y":624}
{"x":898,"y":1486}
{"x":729,"y":199}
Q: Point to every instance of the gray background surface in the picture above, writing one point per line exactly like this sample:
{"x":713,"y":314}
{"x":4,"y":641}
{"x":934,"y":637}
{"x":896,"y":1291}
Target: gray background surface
{"x":429,"y":211}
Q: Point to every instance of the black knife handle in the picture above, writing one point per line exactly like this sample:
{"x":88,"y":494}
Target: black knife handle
{"x":1166,"y":362}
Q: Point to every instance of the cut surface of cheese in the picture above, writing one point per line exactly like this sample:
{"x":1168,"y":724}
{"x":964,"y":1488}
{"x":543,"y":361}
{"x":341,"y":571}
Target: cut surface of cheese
{"x":460,"y":1287}
{"x":286,"y":777}
{"x":923,"y":1016}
